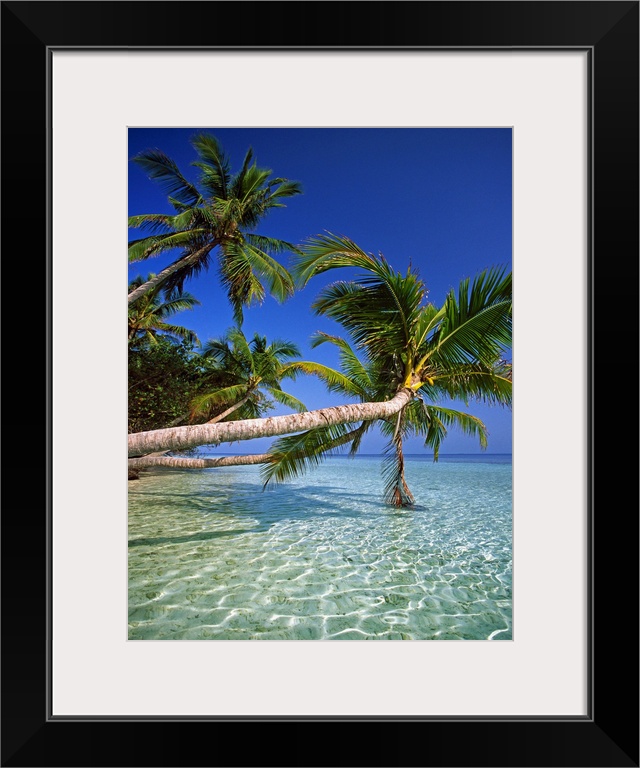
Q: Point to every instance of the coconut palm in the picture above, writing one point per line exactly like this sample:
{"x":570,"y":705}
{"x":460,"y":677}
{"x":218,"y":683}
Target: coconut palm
{"x":452,"y":352}
{"x":219,"y":213}
{"x":245,"y":373}
{"x":423,"y":352}
{"x":186,"y":437}
{"x":291,"y":456}
{"x":147,"y":317}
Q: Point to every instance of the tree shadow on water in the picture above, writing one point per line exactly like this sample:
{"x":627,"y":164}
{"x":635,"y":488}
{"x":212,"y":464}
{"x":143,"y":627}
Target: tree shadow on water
{"x":277,"y":504}
{"x":202,"y":536}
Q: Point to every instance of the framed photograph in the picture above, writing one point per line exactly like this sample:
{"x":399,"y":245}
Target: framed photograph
{"x":561,"y":80}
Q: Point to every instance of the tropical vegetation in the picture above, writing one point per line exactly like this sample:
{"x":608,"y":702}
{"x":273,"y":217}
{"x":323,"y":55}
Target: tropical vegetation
{"x":404,"y":363}
{"x":147,"y":318}
{"x":219,"y":213}
{"x":452,"y":352}
{"x":249,"y":372}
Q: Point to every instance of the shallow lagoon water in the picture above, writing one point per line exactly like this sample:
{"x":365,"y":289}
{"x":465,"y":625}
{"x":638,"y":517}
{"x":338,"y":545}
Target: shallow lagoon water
{"x":214,"y":557}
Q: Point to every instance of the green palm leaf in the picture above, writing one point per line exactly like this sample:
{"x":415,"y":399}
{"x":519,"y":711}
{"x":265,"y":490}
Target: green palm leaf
{"x":147,"y":317}
{"x":477,"y":323}
{"x":278,"y":188}
{"x":214,"y":165}
{"x":162,"y":169}
{"x":325,"y":252}
{"x":270,"y":245}
{"x":492,"y":386}
{"x":281,"y":349}
{"x":433,"y":422}
{"x":291,"y":456}
{"x":154,"y":222}
{"x":223,"y":216}
{"x":335,"y":381}
{"x":206,"y":402}
{"x":353,"y":368}
{"x":142,"y":249}
{"x":284,"y":398}
{"x":175,"y":331}
{"x":279,"y":281}
{"x":242,"y":285}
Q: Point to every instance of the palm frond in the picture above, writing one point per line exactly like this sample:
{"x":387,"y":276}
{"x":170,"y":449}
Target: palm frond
{"x":217,"y":350}
{"x":204,"y":403}
{"x":249,"y":182}
{"x":433,"y":422}
{"x":187,"y":269}
{"x":291,"y":456}
{"x":144,"y":248}
{"x":328,"y":251}
{"x":477,"y":322}
{"x":334,"y":380}
{"x":482,"y":338}
{"x":213,"y":163}
{"x":281,"y":349}
{"x":177,"y":302}
{"x":352,"y":367}
{"x":369,"y":314}
{"x":271,"y":245}
{"x":280,"y":187}
{"x":178,"y":332}
{"x":242,"y":285}
{"x":493,"y":386}
{"x":163,"y":169}
{"x":158,"y":223}
{"x":238,"y":180}
{"x":279,"y":281}
{"x":427,"y":323}
{"x":284,"y":398}
{"x":241,"y":348}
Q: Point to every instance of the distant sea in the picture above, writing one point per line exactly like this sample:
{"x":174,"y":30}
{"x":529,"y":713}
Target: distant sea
{"x":214,"y":557}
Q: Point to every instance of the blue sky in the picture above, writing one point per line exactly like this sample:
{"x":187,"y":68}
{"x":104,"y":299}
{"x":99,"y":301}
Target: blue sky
{"x":439,"y":199}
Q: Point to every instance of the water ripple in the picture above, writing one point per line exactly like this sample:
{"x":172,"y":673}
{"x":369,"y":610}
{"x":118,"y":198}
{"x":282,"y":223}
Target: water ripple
{"x":211,"y":556}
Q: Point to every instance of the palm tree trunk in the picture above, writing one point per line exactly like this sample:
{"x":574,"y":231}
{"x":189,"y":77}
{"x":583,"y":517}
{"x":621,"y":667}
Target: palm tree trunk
{"x":181,"y":438}
{"x":402,"y":496}
{"x":397,"y":491}
{"x":233,"y":408}
{"x":177,"y":462}
{"x":186,"y":261}
{"x":177,"y":420}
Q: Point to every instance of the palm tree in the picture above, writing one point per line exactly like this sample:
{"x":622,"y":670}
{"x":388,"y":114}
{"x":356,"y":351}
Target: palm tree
{"x":368,"y":382}
{"x":147,"y":317}
{"x":221,"y":212}
{"x":238,"y":376}
{"x":247,"y":371}
{"x":422,"y":352}
{"x":452,"y":352}
{"x":185,"y":437}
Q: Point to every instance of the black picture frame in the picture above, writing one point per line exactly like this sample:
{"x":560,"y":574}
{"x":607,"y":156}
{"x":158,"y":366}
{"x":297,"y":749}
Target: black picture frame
{"x":608,"y":735}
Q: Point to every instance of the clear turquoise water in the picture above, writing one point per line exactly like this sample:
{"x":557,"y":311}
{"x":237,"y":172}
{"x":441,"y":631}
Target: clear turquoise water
{"x":213,"y":557}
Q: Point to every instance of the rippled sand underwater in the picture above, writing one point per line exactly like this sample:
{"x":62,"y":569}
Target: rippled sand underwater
{"x":213,"y":557}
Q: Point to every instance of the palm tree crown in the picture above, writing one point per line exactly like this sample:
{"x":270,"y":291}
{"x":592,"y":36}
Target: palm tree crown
{"x":220,"y":212}
{"x":452,"y":352}
{"x":147,"y":317}
{"x":245,"y":372}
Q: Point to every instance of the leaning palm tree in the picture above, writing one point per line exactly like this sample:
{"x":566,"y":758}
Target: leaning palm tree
{"x":423,"y":351}
{"x":218,"y":213}
{"x":147,"y":317}
{"x":368,"y":382}
{"x":452,"y":352}
{"x":246,"y":372}
{"x":240,"y":377}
